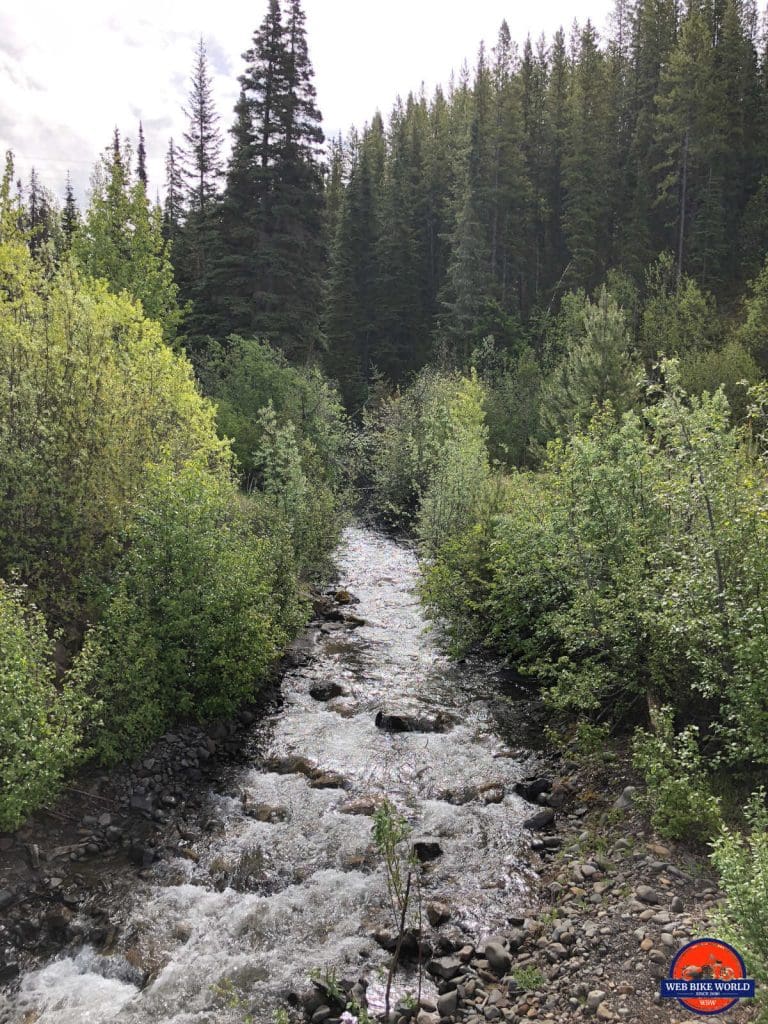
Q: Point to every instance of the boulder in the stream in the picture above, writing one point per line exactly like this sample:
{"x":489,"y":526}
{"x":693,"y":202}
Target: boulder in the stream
{"x":426,"y":848}
{"x":405,"y":722}
{"x":538,"y":822}
{"x":366,"y":805}
{"x":445,"y":967}
{"x":325,"y":691}
{"x":532,"y":789}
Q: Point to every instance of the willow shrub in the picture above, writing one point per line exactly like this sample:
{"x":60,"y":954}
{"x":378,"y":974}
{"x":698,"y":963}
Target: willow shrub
{"x":631,"y":571}
{"x":204,"y":602}
{"x":89,"y":394}
{"x":41,"y":722}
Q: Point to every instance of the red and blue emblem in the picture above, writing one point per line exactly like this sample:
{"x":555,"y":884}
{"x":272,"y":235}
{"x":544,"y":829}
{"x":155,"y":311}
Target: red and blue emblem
{"x":708,"y":976}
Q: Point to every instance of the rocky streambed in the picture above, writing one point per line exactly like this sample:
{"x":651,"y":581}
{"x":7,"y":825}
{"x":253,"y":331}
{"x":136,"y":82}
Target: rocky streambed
{"x":232,"y":873}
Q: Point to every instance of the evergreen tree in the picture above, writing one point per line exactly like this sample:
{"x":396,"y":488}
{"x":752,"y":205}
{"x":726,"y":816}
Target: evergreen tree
{"x":597,"y":368}
{"x":351,"y":320}
{"x":203,"y":138}
{"x":141,"y":154}
{"x":174,"y":208}
{"x":70,"y":217}
{"x":269,"y":256}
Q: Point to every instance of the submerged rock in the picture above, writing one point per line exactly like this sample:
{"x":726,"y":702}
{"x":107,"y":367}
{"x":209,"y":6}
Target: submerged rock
{"x":404,"y":722}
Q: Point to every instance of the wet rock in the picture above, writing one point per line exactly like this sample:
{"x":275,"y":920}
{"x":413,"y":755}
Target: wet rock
{"x":427,"y":849}
{"x":425,"y":1017}
{"x":441,"y":722}
{"x":447,"y":1003}
{"x":531,"y":789}
{"x":329,"y":780}
{"x":438,"y":913}
{"x":6,"y":898}
{"x":266,"y":813}
{"x":291,"y":765}
{"x":498,"y":958}
{"x":326,"y":691}
{"x":9,"y":971}
{"x":343,"y":596}
{"x":445,"y":967}
{"x":492,"y":793}
{"x":363,"y":805}
{"x":540,"y":821}
{"x":57,"y":923}
{"x":141,"y":803}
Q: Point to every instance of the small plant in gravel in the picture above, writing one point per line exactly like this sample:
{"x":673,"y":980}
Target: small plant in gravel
{"x":329,"y":979}
{"x":529,"y":978}
{"x":402,"y":870}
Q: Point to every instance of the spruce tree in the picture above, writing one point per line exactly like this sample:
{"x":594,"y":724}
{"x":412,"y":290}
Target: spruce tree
{"x":174,"y":206}
{"x":269,"y":257}
{"x":70,"y":217}
{"x":141,"y":154}
{"x":203,"y":137}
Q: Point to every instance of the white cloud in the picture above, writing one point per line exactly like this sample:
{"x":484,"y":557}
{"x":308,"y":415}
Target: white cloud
{"x":70,"y":73}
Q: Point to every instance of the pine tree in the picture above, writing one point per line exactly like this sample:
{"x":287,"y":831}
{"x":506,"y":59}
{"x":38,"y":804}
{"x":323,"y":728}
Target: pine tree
{"x":588,"y":170}
{"x":174,"y":208}
{"x":203,"y":137}
{"x":141,"y":153}
{"x":70,"y":217}
{"x":351,"y":319}
{"x":267,"y":277}
{"x":597,"y":368}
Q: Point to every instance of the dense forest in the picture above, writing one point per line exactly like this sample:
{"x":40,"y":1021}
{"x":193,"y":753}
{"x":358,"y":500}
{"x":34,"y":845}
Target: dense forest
{"x":527,"y":316}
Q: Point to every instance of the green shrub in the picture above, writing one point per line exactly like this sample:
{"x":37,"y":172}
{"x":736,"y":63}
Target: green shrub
{"x":88,"y":395}
{"x":41,"y":723}
{"x":202,"y":607}
{"x":679,"y":795}
{"x":456,"y":434}
{"x":246,"y":375}
{"x":741,"y":859}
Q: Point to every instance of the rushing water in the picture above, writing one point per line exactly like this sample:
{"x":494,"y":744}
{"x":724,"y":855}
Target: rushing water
{"x":269,"y":900}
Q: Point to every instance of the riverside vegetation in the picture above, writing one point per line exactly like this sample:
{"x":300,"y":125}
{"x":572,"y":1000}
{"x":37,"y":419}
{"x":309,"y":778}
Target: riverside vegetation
{"x":142,"y":583}
{"x":543,"y":298}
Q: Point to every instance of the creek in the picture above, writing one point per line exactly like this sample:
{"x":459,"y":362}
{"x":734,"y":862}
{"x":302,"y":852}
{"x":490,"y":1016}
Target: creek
{"x":263,"y":902}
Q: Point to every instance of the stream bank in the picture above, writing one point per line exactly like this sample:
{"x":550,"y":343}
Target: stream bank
{"x":220,"y":895}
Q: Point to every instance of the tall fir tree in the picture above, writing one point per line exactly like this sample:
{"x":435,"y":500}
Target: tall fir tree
{"x":267,"y":274}
{"x":141,"y":157}
{"x":70,"y":216}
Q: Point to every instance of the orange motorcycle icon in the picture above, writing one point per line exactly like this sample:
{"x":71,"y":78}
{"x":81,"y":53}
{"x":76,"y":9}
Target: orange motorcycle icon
{"x":713,"y":970}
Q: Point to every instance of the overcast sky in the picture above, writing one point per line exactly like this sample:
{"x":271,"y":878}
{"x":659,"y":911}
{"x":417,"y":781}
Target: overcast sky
{"x":70,"y":72}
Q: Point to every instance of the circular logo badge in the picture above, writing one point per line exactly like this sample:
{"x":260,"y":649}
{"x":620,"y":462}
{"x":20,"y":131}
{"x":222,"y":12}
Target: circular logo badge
{"x":708,"y":976}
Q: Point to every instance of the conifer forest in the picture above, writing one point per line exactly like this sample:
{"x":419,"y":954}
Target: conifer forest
{"x":518,"y":323}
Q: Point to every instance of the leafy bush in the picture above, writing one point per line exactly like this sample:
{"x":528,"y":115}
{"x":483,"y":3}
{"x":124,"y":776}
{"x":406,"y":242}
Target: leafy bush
{"x":678,"y":796}
{"x":203,"y":605}
{"x":247,"y":375}
{"x":89,"y":394}
{"x":426,"y":449}
{"x":457,"y":439}
{"x":741,"y":858}
{"x":309,"y":510}
{"x":41,"y":723}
